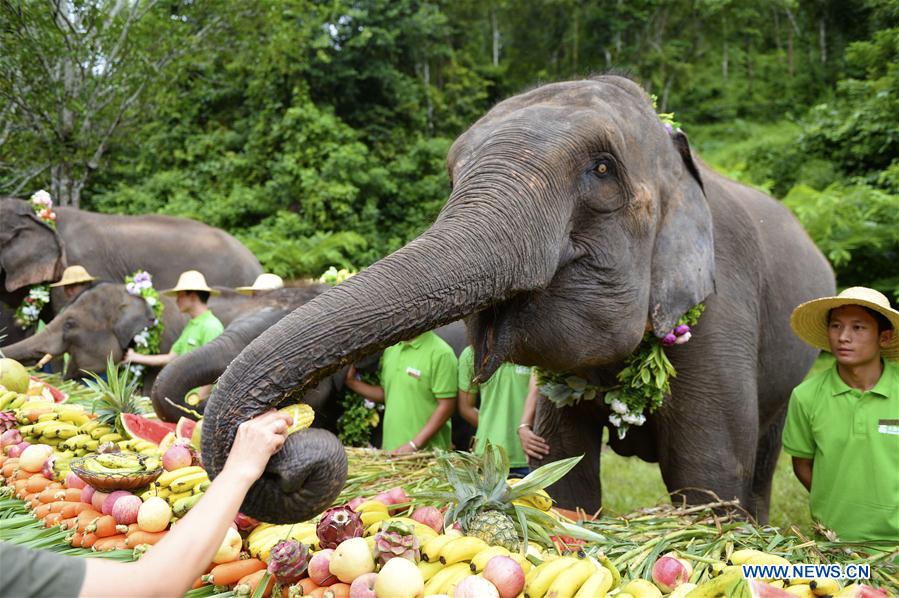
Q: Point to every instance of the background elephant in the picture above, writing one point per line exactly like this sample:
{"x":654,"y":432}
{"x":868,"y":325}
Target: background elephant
{"x":576,"y":222}
{"x":103,"y":320}
{"x":112,"y":247}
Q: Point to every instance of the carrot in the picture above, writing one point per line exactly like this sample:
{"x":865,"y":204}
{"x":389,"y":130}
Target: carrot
{"x":88,"y":540}
{"x":37,"y":483}
{"x":132,"y":527}
{"x":103,"y":527}
{"x":42,"y":510}
{"x":307,"y":586}
{"x":199,"y":583}
{"x":253,"y":580}
{"x":19,"y":486}
{"x":73,"y":509}
{"x":338,"y":590}
{"x":72,"y":494}
{"x":76,"y":540}
{"x":56,"y":507}
{"x":48,"y":494}
{"x":21,"y":474}
{"x":142,"y":537}
{"x":87,"y":516}
{"x":110,"y":543}
{"x":67,"y":522}
{"x":230,"y":573}
{"x":9,"y":467}
{"x":52,"y":519}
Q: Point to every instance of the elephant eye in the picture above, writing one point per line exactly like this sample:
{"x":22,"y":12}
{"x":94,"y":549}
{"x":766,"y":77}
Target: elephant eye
{"x":603,"y":168}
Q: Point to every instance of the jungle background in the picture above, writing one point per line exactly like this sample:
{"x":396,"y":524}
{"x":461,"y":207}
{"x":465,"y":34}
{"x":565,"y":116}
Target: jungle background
{"x":317,"y":131}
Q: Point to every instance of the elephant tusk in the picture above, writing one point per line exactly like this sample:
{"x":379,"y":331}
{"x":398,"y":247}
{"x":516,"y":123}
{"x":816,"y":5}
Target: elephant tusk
{"x":43,"y":361}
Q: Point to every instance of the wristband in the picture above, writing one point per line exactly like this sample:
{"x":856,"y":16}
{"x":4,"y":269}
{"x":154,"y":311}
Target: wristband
{"x":524,"y":426}
{"x":412,"y":444}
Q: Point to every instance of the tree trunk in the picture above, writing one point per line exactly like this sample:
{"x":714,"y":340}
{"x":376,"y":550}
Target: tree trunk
{"x":494,"y":35}
{"x":822,"y":39}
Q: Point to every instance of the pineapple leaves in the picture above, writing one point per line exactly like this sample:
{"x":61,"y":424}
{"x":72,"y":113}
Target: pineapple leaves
{"x":117,"y":394}
{"x":543,"y":477}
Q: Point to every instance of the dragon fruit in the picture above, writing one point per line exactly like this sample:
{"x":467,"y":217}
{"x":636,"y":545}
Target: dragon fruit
{"x":338,"y":524}
{"x":288,"y":562}
{"x":396,"y":539}
{"x":7,"y":420}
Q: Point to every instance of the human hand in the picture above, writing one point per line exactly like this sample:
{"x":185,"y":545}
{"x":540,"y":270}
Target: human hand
{"x":534,"y":446}
{"x":129,"y":356}
{"x":404,"y":449}
{"x":351,"y":373}
{"x":256,"y":441}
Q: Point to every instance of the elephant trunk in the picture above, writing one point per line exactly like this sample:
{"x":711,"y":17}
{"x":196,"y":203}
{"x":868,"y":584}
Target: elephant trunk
{"x":452,"y":270}
{"x":30,"y":350}
{"x":205,"y":364}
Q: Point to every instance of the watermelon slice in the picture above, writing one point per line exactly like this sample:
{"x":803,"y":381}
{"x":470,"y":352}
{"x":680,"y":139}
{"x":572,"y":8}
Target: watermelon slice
{"x":137,"y":426}
{"x":185,"y":428}
{"x":54,"y":393}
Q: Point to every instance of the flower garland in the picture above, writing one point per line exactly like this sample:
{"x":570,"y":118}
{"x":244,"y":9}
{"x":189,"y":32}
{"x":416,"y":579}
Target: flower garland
{"x":643,"y":383}
{"x":29,"y":310}
{"x":148,"y":340}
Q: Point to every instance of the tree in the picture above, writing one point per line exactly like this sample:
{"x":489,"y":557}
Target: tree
{"x":75,"y":73}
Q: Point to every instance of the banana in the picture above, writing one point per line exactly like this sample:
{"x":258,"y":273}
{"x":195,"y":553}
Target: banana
{"x":448,"y":587}
{"x":201,"y":487}
{"x":124,"y":461}
{"x":679,"y":592}
{"x":802,"y":590}
{"x":444,"y":576}
{"x":99,"y":431}
{"x":66,"y":431}
{"x":369,"y":518}
{"x":569,"y":581}
{"x":46,"y":417}
{"x":183,"y":505}
{"x":822,"y":586}
{"x":777,"y":583}
{"x":186,"y":483}
{"x":719,"y":586}
{"x":461,"y":549}
{"x":642,"y":588}
{"x":429,"y":570}
{"x":596,"y":586}
{"x":526,"y":565}
{"x":480,"y":560}
{"x":90,"y":445}
{"x":6,"y":398}
{"x":542,"y":576}
{"x":168,"y":477}
{"x":371,"y":506}
{"x":78,"y":418}
{"x":176,"y":496}
{"x":17,"y":402}
{"x":420,"y":529}
{"x":90,"y":425}
{"x":110,"y":437}
{"x":749,"y":556}
{"x":430,"y":550}
{"x":610,"y":566}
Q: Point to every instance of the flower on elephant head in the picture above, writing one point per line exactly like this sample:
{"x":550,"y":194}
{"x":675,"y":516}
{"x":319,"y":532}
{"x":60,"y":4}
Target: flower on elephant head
{"x":42,"y":198}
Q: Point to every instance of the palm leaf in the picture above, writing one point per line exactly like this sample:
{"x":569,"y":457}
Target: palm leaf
{"x":543,"y":476}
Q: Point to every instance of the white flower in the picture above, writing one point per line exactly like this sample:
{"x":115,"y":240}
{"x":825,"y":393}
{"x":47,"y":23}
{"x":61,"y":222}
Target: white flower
{"x":635,"y":419}
{"x":615,"y":420}
{"x":31,"y":312}
{"x":622,"y":432}
{"x":42,"y":198}
{"x":40,"y":294}
{"x":132,"y":289}
{"x":619,"y":407}
{"x":142,"y":338}
{"x":683,"y":338}
{"x":137,"y":370}
{"x":151,"y":301}
{"x":368,"y":404}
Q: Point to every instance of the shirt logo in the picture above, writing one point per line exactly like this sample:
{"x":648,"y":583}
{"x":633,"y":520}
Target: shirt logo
{"x":523,"y":370}
{"x":888,"y":426}
{"x":413,"y":372}
{"x":191,"y":341}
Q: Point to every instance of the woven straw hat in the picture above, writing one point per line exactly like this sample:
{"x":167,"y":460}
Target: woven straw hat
{"x":190,"y":281}
{"x":263,"y":282}
{"x":74,"y":275}
{"x":809,"y":320}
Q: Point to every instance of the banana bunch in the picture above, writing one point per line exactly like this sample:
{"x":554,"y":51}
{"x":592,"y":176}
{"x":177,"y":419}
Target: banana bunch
{"x":89,"y":436}
{"x":262,"y":539}
{"x":181,"y":488}
{"x":50,"y":423}
{"x":446,"y":579}
{"x":119,"y":463}
{"x":569,"y":576}
{"x":139,"y":445}
{"x":10,"y":400}
{"x":372,"y":512}
{"x":538,"y":499}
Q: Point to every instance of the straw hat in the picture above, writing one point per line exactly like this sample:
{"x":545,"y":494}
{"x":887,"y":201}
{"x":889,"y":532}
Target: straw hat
{"x":74,"y":275}
{"x":809,"y":320}
{"x":263,"y":282}
{"x":190,"y":281}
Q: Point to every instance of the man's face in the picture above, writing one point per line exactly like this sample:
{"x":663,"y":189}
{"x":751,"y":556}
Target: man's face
{"x":185,"y":300}
{"x":73,"y":290}
{"x":853,"y":336}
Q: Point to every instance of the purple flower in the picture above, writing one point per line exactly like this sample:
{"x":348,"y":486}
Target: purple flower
{"x":668,"y":340}
{"x":682,"y":330}
{"x":669,"y":128}
{"x":683,"y":338}
{"x":143,"y":278}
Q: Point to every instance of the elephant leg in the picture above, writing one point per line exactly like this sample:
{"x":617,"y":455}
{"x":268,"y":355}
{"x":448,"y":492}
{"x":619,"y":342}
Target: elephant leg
{"x":572,"y":431}
{"x":766,"y":457}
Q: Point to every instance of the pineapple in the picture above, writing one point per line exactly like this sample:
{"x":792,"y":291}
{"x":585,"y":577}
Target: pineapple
{"x":482,"y":501}
{"x":117,"y":394}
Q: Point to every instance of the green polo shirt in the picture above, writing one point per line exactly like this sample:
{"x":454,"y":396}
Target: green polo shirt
{"x":502,"y":403}
{"x":415,"y":375}
{"x":853,"y":438}
{"x":198,"y":332}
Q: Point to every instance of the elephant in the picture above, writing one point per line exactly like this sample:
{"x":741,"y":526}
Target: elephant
{"x":112,"y":247}
{"x":104,"y":319}
{"x":576,"y":223}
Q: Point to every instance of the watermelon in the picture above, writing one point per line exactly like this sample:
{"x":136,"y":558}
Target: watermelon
{"x":57,"y":395}
{"x":185,"y":428}
{"x":137,"y":426}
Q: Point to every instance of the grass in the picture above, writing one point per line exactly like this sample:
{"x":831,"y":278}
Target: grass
{"x":628,"y":483}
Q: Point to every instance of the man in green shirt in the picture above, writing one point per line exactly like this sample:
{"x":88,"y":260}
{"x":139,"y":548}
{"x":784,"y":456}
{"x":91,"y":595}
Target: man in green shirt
{"x":842,"y":427}
{"x":192,"y":293}
{"x":418,"y":389}
{"x":502,"y":404}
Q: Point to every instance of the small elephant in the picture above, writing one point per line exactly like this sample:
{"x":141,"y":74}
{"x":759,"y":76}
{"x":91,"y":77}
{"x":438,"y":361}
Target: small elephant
{"x":576,"y":222}
{"x":111,"y":247}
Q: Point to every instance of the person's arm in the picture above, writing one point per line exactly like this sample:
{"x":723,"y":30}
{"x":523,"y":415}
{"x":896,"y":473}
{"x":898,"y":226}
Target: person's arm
{"x":534,"y":446}
{"x":158,"y":361}
{"x":467,"y":409}
{"x":442,"y":412}
{"x":170,"y":567}
{"x":803,"y":470}
{"x":369,"y":391}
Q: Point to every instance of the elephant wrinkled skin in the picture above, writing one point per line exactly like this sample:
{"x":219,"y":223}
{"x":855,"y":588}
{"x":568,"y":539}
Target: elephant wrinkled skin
{"x":575,"y":221}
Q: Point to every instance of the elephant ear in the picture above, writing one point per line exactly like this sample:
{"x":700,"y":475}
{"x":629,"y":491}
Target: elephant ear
{"x":683,"y":264}
{"x":134,"y":315}
{"x":30,"y":251}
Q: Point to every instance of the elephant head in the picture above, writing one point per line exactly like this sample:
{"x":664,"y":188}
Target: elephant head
{"x":575,"y":222}
{"x":100,"y":322}
{"x":31,"y":252}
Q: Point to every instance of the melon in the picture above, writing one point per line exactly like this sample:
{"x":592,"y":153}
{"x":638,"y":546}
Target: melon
{"x":185,"y":428}
{"x":137,"y":426}
{"x":13,"y":375}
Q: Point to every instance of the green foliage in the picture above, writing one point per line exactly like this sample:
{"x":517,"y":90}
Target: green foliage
{"x":355,"y":424}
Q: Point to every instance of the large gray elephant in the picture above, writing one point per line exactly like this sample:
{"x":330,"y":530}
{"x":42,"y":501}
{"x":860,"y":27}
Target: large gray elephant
{"x":103,"y":321}
{"x":112,"y":247}
{"x":576,"y":223}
